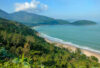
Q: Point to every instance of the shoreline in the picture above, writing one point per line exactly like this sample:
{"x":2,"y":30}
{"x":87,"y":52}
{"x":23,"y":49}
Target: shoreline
{"x":73,"y":48}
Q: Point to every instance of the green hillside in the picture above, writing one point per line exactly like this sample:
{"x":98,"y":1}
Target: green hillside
{"x":20,"y":47}
{"x":31,"y":19}
{"x":84,"y":22}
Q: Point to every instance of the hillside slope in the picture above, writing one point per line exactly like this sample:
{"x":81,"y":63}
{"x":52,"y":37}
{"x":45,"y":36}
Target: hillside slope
{"x":31,"y":18}
{"x":84,"y":22}
{"x":20,"y":47}
{"x":3,"y":14}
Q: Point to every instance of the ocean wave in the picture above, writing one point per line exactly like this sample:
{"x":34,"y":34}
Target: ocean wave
{"x":53,"y":39}
{"x":36,"y":27}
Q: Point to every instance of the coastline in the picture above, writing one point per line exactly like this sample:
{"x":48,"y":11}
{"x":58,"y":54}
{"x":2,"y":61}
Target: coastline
{"x":72,"y":48}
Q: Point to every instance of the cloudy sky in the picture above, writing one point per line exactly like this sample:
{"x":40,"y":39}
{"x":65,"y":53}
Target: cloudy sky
{"x":64,"y":9}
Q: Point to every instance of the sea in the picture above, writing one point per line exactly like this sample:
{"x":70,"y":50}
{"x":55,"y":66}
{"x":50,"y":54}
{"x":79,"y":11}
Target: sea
{"x":82,"y":36}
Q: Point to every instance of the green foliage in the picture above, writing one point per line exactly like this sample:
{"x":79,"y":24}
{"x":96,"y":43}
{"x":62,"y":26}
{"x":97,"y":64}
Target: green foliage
{"x":22,"y":48}
{"x":94,"y":58}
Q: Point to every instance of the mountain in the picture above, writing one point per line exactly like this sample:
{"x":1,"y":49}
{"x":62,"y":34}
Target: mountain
{"x":60,"y":21}
{"x":31,"y":18}
{"x":21,"y":47}
{"x":3,"y":14}
{"x":83,"y":22}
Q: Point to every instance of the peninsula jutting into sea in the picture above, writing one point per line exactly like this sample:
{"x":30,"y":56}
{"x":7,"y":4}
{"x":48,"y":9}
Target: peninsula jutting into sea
{"x":49,"y":34}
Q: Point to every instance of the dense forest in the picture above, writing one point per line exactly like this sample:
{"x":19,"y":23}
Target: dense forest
{"x":21,"y":47}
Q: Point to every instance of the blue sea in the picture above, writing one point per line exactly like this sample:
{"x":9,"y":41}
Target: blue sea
{"x":86,"y":37}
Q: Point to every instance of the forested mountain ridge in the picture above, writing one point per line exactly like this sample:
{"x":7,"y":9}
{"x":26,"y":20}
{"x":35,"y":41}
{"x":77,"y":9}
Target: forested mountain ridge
{"x":20,"y":47}
{"x":84,"y":22}
{"x":3,"y":14}
{"x":31,"y":19}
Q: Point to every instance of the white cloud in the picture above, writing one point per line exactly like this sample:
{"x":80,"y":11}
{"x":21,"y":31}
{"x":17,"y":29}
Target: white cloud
{"x":44,"y":6}
{"x":33,"y":6}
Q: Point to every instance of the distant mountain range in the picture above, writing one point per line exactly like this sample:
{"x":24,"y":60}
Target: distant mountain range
{"x":3,"y":14}
{"x":32,"y":19}
{"x":83,"y":22}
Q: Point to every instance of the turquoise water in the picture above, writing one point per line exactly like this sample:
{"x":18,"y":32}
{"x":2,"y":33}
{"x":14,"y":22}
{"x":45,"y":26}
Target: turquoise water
{"x":86,"y":37}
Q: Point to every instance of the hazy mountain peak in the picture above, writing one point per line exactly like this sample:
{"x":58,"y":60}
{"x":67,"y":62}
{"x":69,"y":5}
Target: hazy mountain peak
{"x":84,"y":22}
{"x":4,"y":14}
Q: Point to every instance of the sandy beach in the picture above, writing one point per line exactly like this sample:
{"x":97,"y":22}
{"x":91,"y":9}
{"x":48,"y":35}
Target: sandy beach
{"x":73,"y":48}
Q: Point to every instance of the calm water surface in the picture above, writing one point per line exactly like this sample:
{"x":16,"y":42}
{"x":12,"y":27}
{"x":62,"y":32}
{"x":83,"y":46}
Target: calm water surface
{"x":87,"y":37}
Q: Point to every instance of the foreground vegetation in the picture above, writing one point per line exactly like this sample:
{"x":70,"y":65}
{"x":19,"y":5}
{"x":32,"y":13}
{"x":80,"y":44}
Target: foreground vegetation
{"x":20,"y":47}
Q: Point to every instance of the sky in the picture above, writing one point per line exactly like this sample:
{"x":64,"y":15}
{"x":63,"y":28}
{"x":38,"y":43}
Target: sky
{"x":60,"y":9}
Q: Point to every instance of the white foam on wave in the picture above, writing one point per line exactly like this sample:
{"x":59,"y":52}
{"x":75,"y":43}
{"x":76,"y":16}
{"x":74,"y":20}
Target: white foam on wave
{"x":36,"y":27}
{"x":53,"y":39}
